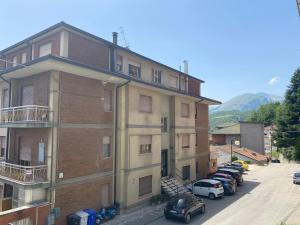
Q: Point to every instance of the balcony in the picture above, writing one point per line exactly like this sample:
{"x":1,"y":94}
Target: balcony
{"x":28,"y":116}
{"x":25,"y":175}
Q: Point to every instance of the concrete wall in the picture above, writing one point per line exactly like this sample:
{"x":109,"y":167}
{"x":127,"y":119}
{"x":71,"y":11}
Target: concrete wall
{"x":252,"y":136}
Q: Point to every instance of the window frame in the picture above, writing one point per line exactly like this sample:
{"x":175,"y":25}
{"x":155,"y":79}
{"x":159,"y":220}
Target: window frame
{"x":119,"y":66}
{"x":23,"y":60}
{"x":182,"y":110}
{"x":189,"y":144}
{"x":156,"y":76}
{"x":145,"y":148}
{"x":145,"y":192}
{"x":141,"y":109}
{"x":48,"y":44}
{"x":109,"y":147}
{"x":138,"y":70}
{"x":110,"y":109}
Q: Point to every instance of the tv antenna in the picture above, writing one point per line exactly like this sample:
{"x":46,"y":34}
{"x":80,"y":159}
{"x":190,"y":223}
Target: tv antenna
{"x":122,"y":32}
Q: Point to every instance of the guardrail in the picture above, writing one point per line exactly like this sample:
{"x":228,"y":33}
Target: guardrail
{"x":24,"y":174}
{"x":27,"y":113}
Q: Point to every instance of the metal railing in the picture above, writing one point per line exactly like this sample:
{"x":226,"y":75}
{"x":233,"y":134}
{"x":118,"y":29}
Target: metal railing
{"x":27,"y":113}
{"x":24,"y":174}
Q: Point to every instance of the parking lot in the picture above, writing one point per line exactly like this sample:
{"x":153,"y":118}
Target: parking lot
{"x":267,"y":197}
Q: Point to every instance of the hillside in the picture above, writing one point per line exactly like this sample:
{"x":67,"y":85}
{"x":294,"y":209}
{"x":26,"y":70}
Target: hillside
{"x":239,"y":108}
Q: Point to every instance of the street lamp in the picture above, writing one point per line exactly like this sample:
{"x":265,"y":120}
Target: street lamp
{"x":237,"y":143}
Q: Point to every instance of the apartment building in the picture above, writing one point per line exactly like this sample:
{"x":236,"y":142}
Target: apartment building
{"x":91,"y":123}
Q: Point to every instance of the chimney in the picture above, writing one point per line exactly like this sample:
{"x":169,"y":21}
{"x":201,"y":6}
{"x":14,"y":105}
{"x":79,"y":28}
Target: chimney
{"x":185,"y":66}
{"x":115,"y":38}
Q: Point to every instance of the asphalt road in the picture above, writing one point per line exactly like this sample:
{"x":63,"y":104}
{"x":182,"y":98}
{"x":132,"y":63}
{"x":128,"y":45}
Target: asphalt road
{"x":267,"y":197}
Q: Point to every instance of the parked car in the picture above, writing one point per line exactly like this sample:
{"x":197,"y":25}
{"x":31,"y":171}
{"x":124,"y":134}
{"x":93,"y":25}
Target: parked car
{"x":228,"y":185}
{"x":207,"y":187}
{"x":296,"y":178}
{"x":184,"y":207}
{"x":242,"y":163}
{"x":275,"y":161}
{"x":230,"y":166}
{"x":222,"y":175}
{"x":234,"y":173}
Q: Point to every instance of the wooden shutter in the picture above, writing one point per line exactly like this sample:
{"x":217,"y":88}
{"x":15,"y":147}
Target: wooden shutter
{"x":145,"y":185}
{"x":145,"y":104}
{"x":25,"y":144}
{"x":27,"y":95}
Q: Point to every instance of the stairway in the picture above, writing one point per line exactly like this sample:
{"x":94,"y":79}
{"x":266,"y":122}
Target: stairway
{"x":172,"y":187}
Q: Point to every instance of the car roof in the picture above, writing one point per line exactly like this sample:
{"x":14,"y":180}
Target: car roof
{"x":221,"y":178}
{"x":229,"y":170}
{"x":209,"y":181}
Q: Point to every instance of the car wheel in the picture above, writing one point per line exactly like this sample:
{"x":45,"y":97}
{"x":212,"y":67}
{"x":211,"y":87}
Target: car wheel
{"x":202,"y":209}
{"x":167,"y":217}
{"x":211,"y":196}
{"x":187,"y":218}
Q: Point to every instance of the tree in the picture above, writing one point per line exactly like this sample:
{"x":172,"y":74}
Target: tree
{"x":288,"y":116}
{"x":265,"y":114}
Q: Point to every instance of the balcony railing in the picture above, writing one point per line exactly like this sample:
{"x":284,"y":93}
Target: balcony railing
{"x":27,"y":113}
{"x":24,"y":174}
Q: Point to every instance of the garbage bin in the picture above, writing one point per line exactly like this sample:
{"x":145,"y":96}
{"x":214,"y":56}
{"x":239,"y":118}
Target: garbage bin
{"x":92,"y":216}
{"x":83,"y":217}
{"x":73,"y":219}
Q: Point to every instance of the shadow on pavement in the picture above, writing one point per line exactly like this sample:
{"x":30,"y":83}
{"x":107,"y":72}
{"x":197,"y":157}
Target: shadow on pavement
{"x":213,"y":207}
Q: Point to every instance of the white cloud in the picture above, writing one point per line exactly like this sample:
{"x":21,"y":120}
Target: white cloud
{"x":274,"y":81}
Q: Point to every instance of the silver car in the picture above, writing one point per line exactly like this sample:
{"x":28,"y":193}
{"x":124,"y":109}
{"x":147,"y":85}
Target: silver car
{"x":296,"y":178}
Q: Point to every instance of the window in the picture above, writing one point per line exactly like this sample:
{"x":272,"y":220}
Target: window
{"x":14,"y":61}
{"x":185,"y":141}
{"x":145,"y":104}
{"x":25,"y":144}
{"x":145,"y":144}
{"x":119,"y":63}
{"x":5,"y":98}
{"x":164,"y":124}
{"x":41,"y":153}
{"x":45,"y":49}
{"x":145,"y":185}
{"x":106,"y":146}
{"x":134,"y":71}
{"x":183,"y":83}
{"x":107,"y":100}
{"x":186,"y":172}
{"x":27,"y":95}
{"x":173,"y":81}
{"x":156,"y":76}
{"x":3,"y":146}
{"x":185,"y":110}
{"x":23,"y":58}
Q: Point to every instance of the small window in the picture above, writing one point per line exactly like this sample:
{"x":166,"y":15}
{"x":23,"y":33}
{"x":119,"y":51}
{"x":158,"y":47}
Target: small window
{"x":145,"y":185}
{"x":173,"y":81}
{"x":156,"y":76}
{"x":27,"y":95}
{"x":145,"y":104}
{"x":119,"y":64}
{"x":145,"y":144}
{"x":5,"y":98}
{"x":185,"y":141}
{"x":107,"y":100}
{"x":183,"y":83}
{"x":45,"y":49}
{"x":106,"y":146}
{"x":164,"y":124}
{"x":186,"y":172}
{"x":23,"y":58}
{"x":14,"y":61}
{"x":134,"y":71}
{"x":185,"y":110}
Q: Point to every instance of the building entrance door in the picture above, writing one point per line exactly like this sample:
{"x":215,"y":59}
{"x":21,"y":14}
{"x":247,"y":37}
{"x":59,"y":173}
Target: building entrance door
{"x":164,"y":162}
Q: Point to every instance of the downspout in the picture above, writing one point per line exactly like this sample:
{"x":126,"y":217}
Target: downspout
{"x":115,"y":135}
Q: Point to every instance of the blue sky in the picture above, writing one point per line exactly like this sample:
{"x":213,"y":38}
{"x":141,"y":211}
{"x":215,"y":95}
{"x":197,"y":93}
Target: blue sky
{"x":235,"y":46}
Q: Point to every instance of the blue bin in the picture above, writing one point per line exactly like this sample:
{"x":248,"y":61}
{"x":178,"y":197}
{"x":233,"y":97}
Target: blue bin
{"x":92,"y":216}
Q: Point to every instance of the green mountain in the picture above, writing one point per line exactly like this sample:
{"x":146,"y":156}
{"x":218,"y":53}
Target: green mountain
{"x":239,"y":108}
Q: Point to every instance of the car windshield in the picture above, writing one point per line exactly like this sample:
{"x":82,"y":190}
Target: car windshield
{"x":297,"y":175}
{"x":178,"y":202}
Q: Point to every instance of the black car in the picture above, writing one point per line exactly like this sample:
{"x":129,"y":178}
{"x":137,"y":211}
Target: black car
{"x":234,"y":173}
{"x":275,"y":161}
{"x":240,"y":169}
{"x":228,"y":185}
{"x":184,"y":207}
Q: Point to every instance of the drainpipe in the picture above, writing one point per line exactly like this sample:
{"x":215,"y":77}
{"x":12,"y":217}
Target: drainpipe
{"x":9,"y":103}
{"x":115,"y":135}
